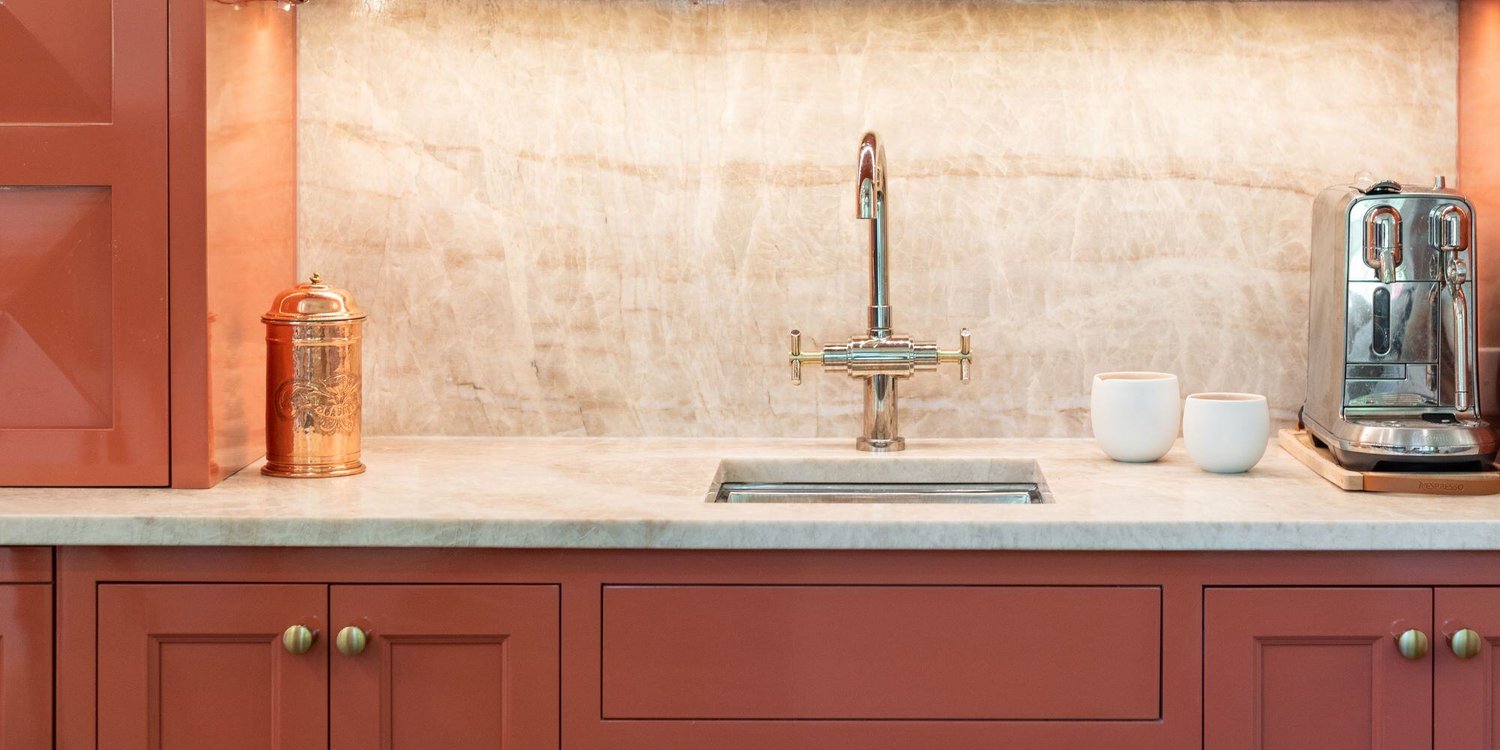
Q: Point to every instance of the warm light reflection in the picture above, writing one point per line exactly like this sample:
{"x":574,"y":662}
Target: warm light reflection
{"x":286,"y":5}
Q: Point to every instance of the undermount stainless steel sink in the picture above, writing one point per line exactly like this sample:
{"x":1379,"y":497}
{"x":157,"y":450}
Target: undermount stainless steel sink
{"x":1001,"y":481}
{"x":835,"y":492}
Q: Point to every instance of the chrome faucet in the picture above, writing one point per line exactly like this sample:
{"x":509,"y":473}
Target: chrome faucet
{"x":879,"y":357}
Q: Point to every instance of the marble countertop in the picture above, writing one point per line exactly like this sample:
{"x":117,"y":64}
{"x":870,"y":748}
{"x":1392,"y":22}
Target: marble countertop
{"x":650,"y":493}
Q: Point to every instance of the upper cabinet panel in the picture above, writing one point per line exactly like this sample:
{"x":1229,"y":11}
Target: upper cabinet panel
{"x":54,"y":308}
{"x":57,"y":61}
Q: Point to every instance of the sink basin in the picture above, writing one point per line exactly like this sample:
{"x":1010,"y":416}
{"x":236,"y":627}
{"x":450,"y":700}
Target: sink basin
{"x":1002,"y":481}
{"x":834,"y":492}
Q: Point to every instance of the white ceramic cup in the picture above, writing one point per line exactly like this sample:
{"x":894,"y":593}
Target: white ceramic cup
{"x":1135,"y":414}
{"x":1226,"y":433}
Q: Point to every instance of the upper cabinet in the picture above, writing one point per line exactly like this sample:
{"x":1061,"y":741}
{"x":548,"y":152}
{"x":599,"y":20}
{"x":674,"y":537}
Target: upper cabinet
{"x":130,"y":290}
{"x":83,"y":243}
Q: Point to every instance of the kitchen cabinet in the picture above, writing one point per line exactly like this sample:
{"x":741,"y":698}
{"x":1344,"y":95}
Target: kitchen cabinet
{"x":125,"y":283}
{"x":1466,"y":674}
{"x":1327,"y":668}
{"x":1316,"y":667}
{"x":204,"y":666}
{"x":25,"y":666}
{"x":743,"y":650}
{"x":222,"y":665}
{"x":83,"y":243}
{"x":446,"y":667}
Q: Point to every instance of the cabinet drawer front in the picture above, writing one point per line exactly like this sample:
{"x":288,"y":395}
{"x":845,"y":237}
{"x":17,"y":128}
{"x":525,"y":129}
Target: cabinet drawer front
{"x":881,"y":652}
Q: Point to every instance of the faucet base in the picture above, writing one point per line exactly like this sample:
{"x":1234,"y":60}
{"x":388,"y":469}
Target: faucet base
{"x":880,"y":445}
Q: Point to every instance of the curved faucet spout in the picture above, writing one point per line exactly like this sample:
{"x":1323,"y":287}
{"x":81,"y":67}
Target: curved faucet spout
{"x":871,"y":200}
{"x":871,"y":176}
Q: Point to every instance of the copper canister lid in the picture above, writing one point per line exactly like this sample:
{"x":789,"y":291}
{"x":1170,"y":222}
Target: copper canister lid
{"x":313,"y":302}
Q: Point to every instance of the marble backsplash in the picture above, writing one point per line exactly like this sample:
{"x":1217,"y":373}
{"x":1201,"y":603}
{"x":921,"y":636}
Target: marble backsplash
{"x":601,"y":218}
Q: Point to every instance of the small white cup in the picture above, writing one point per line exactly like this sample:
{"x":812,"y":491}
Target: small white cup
{"x":1135,"y":414}
{"x":1226,"y":433}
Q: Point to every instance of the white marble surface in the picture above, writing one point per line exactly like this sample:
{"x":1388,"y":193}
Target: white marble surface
{"x":534,"y":199}
{"x":649,"y":493}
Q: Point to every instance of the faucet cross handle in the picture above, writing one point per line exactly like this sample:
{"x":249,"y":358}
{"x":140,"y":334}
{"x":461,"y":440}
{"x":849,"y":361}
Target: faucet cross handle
{"x":962,"y":356}
{"x":798,"y":357}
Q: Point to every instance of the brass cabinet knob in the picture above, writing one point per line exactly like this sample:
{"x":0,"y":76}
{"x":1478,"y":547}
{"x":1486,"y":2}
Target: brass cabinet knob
{"x":298,"y":639}
{"x":1412,"y":644}
{"x":351,"y":641}
{"x":1465,"y":644}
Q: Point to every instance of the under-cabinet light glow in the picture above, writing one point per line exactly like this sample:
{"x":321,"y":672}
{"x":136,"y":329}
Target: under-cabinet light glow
{"x":286,"y":5}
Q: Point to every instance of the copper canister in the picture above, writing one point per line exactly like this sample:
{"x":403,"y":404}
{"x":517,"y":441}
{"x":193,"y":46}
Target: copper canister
{"x":313,"y":382}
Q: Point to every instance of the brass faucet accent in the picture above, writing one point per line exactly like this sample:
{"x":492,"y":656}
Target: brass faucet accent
{"x":879,"y":357}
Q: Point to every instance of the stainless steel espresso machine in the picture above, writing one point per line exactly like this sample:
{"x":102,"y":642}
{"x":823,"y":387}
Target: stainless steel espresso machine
{"x":1392,"y":373}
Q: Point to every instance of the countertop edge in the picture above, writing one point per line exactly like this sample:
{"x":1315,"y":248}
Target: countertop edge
{"x":1040,"y":536}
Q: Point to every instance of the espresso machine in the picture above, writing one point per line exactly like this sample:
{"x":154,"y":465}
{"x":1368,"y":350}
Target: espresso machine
{"x":1392,"y":369}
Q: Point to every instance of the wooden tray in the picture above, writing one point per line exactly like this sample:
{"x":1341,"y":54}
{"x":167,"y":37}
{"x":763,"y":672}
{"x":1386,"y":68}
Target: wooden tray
{"x":1301,"y":445}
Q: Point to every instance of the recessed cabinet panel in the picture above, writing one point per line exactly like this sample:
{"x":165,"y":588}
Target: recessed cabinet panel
{"x":196,"y":698}
{"x":1306,"y":700}
{"x":881,"y":652}
{"x":55,"y":311}
{"x":57,"y":61}
{"x":1292,"y":669}
{"x":447,"y":668}
{"x":185,"y":666}
{"x":457,"y":687}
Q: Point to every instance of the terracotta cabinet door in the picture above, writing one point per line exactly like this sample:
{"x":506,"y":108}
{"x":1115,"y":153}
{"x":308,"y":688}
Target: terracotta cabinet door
{"x":185,"y":667}
{"x":447,"y":668}
{"x":1293,"y":669}
{"x":83,"y":242}
{"x":25,"y":666}
{"x":1466,"y":685}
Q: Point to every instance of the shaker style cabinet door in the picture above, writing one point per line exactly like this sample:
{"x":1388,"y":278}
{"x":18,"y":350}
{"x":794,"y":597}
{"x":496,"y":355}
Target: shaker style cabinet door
{"x":184,"y":667}
{"x":83,"y":242}
{"x":1466,"y":674}
{"x":25,"y":666}
{"x":1294,"y":669}
{"x":469,"y":667}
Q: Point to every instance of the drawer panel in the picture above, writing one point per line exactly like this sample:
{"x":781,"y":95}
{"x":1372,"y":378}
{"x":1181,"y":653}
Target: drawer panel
{"x":882,"y":652}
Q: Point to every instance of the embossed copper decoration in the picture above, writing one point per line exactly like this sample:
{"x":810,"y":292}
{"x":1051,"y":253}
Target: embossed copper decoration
{"x":313,"y":384}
